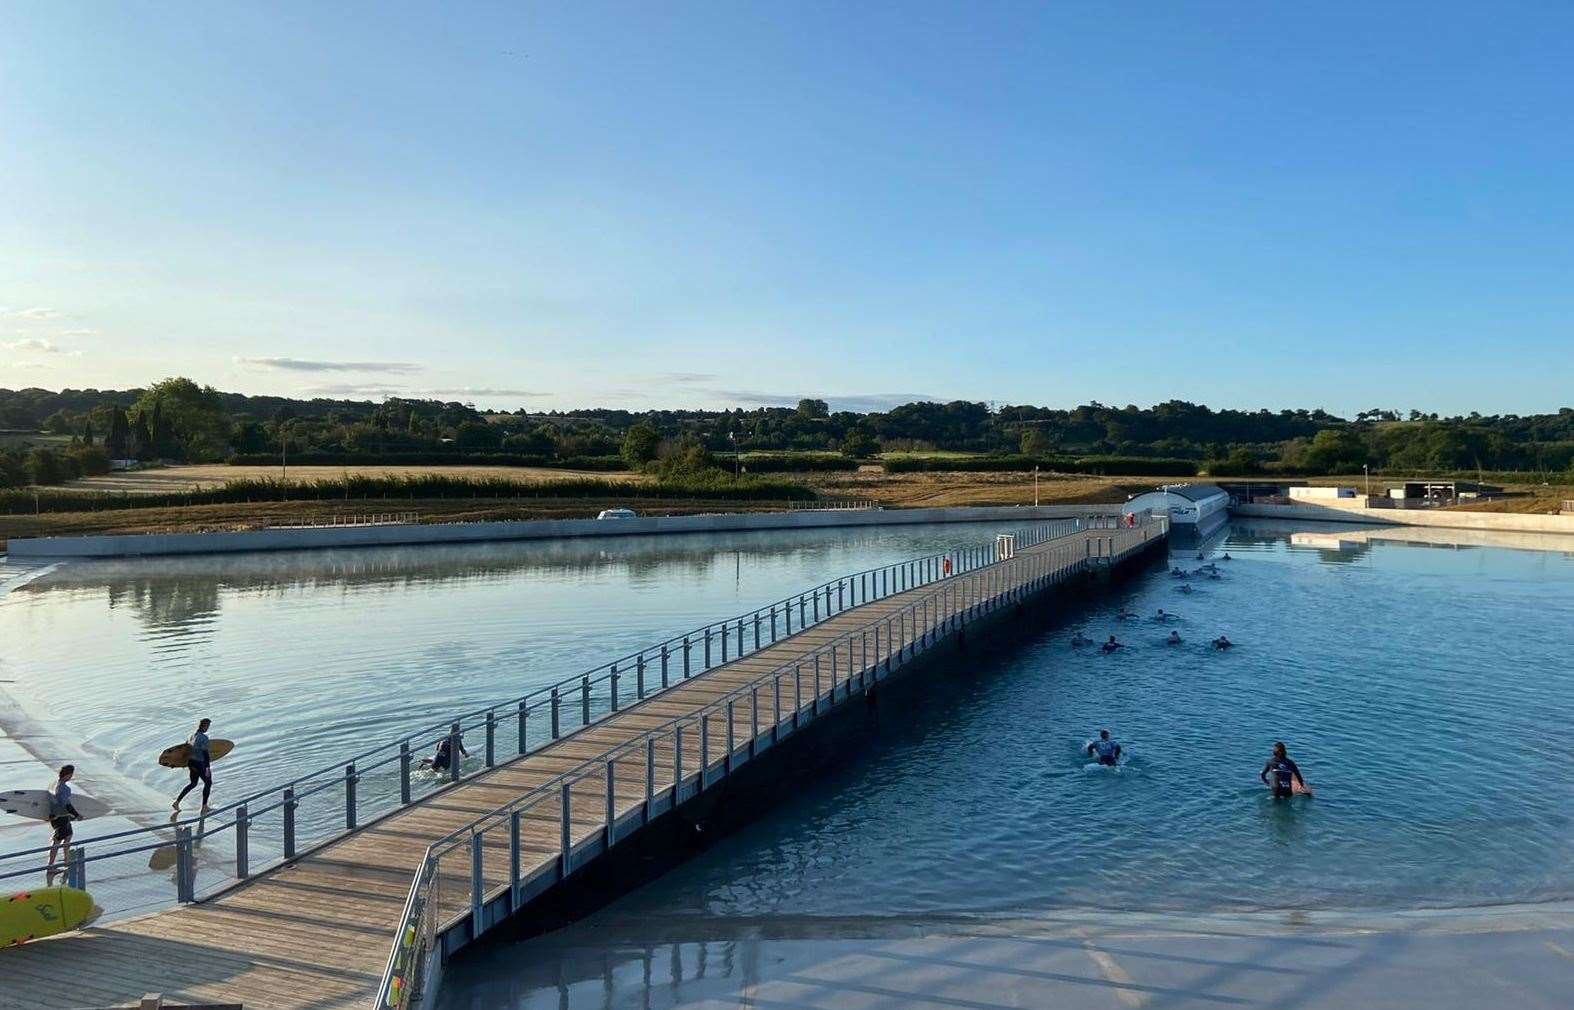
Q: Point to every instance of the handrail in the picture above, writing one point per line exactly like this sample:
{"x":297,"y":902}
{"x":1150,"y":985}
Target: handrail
{"x":862,"y":587}
{"x":406,"y":955}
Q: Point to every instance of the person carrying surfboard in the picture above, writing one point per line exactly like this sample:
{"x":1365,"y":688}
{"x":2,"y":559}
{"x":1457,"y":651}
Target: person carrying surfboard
{"x":61,"y":814}
{"x":199,"y":761}
{"x":1285,"y":774}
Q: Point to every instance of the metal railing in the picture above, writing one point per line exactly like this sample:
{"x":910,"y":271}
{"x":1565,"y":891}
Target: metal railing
{"x":354,"y":519}
{"x":653,"y":763}
{"x":283,"y":822}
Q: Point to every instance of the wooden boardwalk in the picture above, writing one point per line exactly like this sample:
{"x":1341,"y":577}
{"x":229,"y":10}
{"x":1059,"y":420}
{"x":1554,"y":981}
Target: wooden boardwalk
{"x":316,"y":933}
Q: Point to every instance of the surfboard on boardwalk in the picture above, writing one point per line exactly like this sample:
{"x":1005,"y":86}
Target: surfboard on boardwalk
{"x":34,"y":803}
{"x":178,"y":755}
{"x":47,"y":911}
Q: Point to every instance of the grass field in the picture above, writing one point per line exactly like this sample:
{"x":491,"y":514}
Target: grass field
{"x":191,"y":478}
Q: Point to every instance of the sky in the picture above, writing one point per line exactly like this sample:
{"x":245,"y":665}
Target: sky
{"x":551,"y":205}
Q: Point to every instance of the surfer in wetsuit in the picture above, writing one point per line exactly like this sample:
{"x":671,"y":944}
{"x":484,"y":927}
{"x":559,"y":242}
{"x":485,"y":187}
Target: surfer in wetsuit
{"x":199,"y":762}
{"x":1104,"y":749}
{"x":445,"y":753}
{"x":61,"y":814}
{"x":1174,"y":638}
{"x":1284,"y":772}
{"x":1111,"y":645}
{"x":1223,"y":642}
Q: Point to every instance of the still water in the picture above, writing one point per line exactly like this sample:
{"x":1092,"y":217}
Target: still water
{"x":1426,"y":691}
{"x":305,"y":658}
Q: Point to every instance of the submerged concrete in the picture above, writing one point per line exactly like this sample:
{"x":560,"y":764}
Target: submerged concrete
{"x":143,"y":544}
{"x":1520,"y":957}
{"x":1337,"y":512}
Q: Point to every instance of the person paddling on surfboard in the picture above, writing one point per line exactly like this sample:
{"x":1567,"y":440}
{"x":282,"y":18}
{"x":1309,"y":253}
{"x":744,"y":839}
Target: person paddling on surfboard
{"x":1284,"y":774}
{"x":1106,"y":750}
{"x":61,"y":814}
{"x":199,"y":761}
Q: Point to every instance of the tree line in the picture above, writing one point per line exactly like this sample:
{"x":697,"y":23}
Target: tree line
{"x":177,"y":420}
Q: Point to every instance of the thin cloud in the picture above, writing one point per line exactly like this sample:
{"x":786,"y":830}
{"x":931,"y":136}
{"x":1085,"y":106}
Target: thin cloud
{"x":77,"y":333}
{"x":481,"y":391}
{"x":860,"y":403}
{"x":37,"y":312}
{"x":38,"y":344}
{"x":352,"y":389}
{"x":314,"y":365}
{"x":685,"y":378}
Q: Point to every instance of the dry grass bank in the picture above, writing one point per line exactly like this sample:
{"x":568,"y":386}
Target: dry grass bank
{"x":164,"y":480}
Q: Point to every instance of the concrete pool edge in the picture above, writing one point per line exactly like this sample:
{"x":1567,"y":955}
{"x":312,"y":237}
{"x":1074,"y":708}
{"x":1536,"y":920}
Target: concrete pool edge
{"x":153,"y":544}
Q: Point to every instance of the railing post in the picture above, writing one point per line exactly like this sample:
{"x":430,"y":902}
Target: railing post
{"x":565,"y":839}
{"x":773,"y":622}
{"x":349,"y":796}
{"x":650,"y":775}
{"x":731,"y":743}
{"x":677,"y":765}
{"x":491,"y":738}
{"x":840,"y":605}
{"x":183,"y":876}
{"x":477,"y":883}
{"x":776,"y":705}
{"x":704,"y":747}
{"x":801,"y":623}
{"x":724,"y":642}
{"x":454,"y":759}
{"x":556,"y":705}
{"x":289,"y":823}
{"x":816,"y":595}
{"x":787,"y":616}
{"x":754,"y":717}
{"x":663,"y":665}
{"x":613,"y":690}
{"x":612,"y":807}
{"x":817,"y":684}
{"x":756,"y":632}
{"x":639,"y":677}
{"x":584,"y":700}
{"x":797,"y":692}
{"x":242,"y":843}
{"x":513,"y":861}
{"x":707,"y":650}
{"x":524,"y":724}
{"x":685,"y":657}
{"x":404,"y":773}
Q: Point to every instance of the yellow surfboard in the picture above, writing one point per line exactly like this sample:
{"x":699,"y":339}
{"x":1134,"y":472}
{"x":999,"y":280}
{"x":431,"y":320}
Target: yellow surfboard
{"x":176,"y":756}
{"x":47,"y":911}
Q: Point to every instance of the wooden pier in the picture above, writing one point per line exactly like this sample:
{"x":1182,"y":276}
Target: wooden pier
{"x":316,"y":932}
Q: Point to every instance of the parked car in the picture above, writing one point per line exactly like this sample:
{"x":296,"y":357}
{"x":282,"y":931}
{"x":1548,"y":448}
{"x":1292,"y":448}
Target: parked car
{"x":618,"y":514}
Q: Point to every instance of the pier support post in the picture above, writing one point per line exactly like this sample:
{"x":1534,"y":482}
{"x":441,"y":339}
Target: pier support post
{"x":524,"y":724}
{"x":454,"y":759}
{"x":349,"y":796}
{"x":289,"y":823}
{"x":183,"y":876}
{"x":557,"y":705}
{"x":513,"y":861}
{"x":477,"y":884}
{"x":565,"y":837}
{"x":242,"y":844}
{"x":404,"y":773}
{"x":491,"y":738}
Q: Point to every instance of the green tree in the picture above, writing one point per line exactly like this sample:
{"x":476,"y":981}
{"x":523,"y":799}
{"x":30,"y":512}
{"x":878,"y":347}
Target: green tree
{"x":640,"y":444}
{"x":859,"y":444}
{"x":87,"y":432}
{"x":45,"y":466}
{"x":141,"y":438}
{"x":1035,"y":443}
{"x":118,"y":442}
{"x":198,"y":425}
{"x":813,"y":408}
{"x":478,"y":435}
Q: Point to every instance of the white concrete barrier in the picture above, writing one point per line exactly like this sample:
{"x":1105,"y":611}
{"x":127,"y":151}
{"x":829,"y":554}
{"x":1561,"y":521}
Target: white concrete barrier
{"x":1437,"y":518}
{"x":132,"y":545}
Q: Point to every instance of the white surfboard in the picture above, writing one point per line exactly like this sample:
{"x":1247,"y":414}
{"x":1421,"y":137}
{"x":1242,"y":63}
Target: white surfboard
{"x":34,"y":803}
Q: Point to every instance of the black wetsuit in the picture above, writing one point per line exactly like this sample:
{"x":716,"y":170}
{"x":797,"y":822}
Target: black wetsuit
{"x":1284,"y":774}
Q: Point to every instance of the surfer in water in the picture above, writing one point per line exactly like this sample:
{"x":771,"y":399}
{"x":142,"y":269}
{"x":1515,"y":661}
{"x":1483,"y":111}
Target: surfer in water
{"x":1222,"y":642}
{"x":1284,"y":772}
{"x":1079,"y":640}
{"x":1111,"y":645}
{"x":199,"y":762}
{"x":444,"y":754}
{"x":1104,"y":749}
{"x":1174,"y":638}
{"x":61,"y":814}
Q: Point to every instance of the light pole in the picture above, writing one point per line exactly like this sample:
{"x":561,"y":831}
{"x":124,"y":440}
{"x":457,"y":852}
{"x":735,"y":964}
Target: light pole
{"x":1035,"y":486}
{"x":1367,"y":469}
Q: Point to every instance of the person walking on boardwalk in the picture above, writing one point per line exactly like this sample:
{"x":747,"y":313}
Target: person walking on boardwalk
{"x":61,"y":814}
{"x":199,"y":761}
{"x":1281,"y":774}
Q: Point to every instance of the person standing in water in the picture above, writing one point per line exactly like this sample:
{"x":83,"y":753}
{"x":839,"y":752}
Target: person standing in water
{"x":1106,"y":750}
{"x":199,"y":762}
{"x":1284,"y":774}
{"x":61,"y":814}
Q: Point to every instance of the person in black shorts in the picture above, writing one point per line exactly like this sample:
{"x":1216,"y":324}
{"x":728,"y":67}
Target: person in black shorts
{"x":199,"y":761}
{"x":1280,"y":773}
{"x":61,"y":814}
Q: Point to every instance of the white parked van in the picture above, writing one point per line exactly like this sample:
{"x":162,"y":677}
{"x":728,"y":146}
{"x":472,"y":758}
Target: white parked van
{"x":618,"y":514}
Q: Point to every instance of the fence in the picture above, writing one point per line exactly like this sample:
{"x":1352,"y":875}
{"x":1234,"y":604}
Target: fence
{"x":354,"y":519}
{"x":501,"y":857}
{"x":285,"y":821}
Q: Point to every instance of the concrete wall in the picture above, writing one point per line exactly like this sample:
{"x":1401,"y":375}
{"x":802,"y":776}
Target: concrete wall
{"x":451,"y":533}
{"x":1355,"y":512}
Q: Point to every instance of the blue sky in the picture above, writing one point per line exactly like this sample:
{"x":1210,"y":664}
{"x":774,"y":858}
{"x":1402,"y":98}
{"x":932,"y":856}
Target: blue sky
{"x":1342,"y":205}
